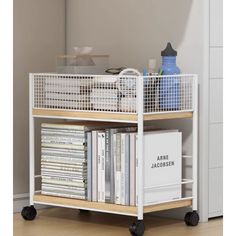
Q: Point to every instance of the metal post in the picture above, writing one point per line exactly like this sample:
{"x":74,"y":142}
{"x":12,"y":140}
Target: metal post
{"x":195,"y":143}
{"x":31,"y":142}
{"x":140,"y":175}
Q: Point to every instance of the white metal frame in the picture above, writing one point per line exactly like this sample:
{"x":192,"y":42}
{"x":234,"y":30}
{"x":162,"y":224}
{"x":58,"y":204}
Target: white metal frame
{"x":140,"y":124}
{"x":31,"y":142}
{"x":195,"y":144}
{"x":140,"y":149}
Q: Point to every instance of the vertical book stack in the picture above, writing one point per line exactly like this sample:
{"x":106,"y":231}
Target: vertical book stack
{"x":112,"y":165}
{"x":64,"y":160}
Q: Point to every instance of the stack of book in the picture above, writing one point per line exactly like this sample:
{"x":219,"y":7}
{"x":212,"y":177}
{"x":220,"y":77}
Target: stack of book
{"x":67,"y":93}
{"x":105,"y":99}
{"x":98,"y":162}
{"x":112,"y":165}
{"x":128,"y":104}
{"x":64,"y":160}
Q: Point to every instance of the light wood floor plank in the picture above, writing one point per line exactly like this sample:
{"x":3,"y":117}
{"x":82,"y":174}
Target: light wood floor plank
{"x":68,"y":222}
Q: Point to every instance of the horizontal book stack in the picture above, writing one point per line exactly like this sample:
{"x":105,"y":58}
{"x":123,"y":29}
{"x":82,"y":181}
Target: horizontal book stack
{"x":67,"y":93}
{"x":104,"y":99}
{"x":64,"y":160}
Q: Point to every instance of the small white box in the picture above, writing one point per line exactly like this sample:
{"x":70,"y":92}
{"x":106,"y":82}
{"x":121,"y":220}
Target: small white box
{"x":163,"y":166}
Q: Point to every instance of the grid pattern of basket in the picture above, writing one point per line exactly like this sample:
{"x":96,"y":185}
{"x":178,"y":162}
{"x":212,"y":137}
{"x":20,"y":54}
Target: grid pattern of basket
{"x":112,"y":93}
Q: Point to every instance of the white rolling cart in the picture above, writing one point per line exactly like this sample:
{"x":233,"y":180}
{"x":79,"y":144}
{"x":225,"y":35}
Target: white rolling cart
{"x":139,"y":99}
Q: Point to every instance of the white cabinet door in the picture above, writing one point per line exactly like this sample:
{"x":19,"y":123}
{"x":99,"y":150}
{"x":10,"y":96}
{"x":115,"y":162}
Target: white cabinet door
{"x":216,"y":100}
{"x":215,"y":192}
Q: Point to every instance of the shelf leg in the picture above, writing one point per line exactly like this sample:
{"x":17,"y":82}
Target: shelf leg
{"x":31,"y":145}
{"x":195,"y":145}
{"x":140,"y":162}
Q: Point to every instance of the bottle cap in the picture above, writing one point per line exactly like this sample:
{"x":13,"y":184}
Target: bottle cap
{"x":169,"y":51}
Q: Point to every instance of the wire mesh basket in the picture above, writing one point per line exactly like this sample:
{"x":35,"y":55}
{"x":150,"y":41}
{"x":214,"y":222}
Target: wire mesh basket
{"x":109,"y":93}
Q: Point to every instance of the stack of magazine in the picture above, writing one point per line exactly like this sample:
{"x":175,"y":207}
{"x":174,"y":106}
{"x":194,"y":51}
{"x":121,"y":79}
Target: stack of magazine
{"x":64,"y":160}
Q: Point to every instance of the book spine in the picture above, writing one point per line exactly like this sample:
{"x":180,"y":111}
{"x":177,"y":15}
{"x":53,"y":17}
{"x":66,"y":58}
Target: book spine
{"x":112,"y":147}
{"x":64,"y":190}
{"x":99,"y":166}
{"x":132,"y":168}
{"x":66,"y":183}
{"x":69,"y":146}
{"x":107,"y":167}
{"x":118,"y":170}
{"x":62,"y":142}
{"x":103,"y":181}
{"x":55,"y":151}
{"x":122,"y":154}
{"x":66,"y":160}
{"x":89,"y":167}
{"x":63,"y":195}
{"x":64,"y":179}
{"x":57,"y":164}
{"x":94,"y":166}
{"x":63,"y":126}
{"x":61,"y":169}
{"x":66,"y":187}
{"x":52,"y":138}
{"x":127,"y":169}
{"x":79,"y":174}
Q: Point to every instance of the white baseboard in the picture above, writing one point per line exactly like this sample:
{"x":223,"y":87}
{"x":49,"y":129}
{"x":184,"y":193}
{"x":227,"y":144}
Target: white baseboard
{"x":22,"y":200}
{"x":215,"y":214}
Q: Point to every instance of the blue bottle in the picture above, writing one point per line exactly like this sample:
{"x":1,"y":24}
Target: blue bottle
{"x":169,"y":90}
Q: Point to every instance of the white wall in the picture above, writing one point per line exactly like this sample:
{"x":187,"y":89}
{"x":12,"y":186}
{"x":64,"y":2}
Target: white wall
{"x":39,"y":35}
{"x":134,"y":31}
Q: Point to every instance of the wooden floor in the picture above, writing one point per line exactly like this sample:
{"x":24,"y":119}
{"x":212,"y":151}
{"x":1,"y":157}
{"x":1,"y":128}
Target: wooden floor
{"x":69,"y":222}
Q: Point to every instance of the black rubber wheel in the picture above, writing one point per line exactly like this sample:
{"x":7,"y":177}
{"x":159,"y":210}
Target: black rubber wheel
{"x":191,"y":218}
{"x":83,"y":211}
{"x":187,"y":218}
{"x":137,"y":228}
{"x":29,"y":213}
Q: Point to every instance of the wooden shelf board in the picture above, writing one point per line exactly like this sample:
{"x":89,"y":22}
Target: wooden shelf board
{"x":123,"y":117}
{"x":86,"y":115}
{"x":167,"y":116}
{"x":106,"y":207}
{"x":168,"y":206}
{"x":69,"y":202}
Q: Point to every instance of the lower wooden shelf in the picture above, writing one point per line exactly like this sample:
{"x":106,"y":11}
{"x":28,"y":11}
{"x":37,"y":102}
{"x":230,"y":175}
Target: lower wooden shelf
{"x":106,"y":207}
